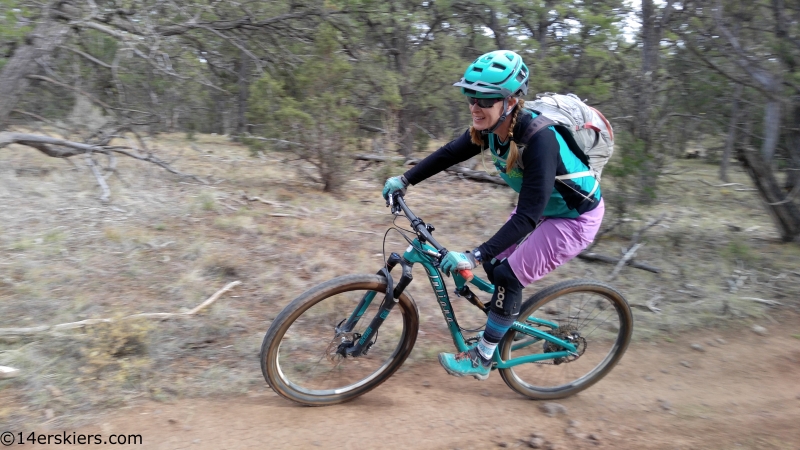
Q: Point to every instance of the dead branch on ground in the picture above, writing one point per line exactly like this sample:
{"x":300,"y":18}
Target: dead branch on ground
{"x":629,"y":253}
{"x":628,"y":256}
{"x":13,"y":332}
{"x":650,"y":305}
{"x":719,"y":185}
{"x":594,"y":257}
{"x":763,"y":301}
{"x":301,"y":212}
{"x":8,"y":372}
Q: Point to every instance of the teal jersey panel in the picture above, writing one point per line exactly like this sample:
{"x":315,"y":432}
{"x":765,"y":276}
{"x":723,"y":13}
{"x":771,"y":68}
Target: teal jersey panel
{"x":556,"y":206}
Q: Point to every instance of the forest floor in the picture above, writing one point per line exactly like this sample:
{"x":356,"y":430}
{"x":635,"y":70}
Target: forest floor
{"x":165,"y":244}
{"x":663,"y":395}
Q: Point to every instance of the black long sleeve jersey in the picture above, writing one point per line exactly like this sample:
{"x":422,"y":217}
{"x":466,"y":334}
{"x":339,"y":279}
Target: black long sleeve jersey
{"x":545,"y":156}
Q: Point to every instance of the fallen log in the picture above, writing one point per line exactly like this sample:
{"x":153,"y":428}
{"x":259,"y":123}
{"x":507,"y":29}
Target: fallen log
{"x":477,"y":175}
{"x":607,"y":259}
{"x":4,"y":332}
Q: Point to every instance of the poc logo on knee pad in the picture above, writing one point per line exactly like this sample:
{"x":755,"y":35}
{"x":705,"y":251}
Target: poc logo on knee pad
{"x":501,"y":296}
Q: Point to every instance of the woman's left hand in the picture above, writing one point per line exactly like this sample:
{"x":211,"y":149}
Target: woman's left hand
{"x":454,"y":261}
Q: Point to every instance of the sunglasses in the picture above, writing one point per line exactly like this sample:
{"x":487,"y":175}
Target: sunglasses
{"x":484,"y":103}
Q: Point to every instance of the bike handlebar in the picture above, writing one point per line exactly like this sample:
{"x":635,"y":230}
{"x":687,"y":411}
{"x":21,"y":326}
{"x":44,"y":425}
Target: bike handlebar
{"x":398,"y":204}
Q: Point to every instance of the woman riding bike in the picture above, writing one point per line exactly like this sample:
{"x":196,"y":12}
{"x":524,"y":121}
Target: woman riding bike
{"x":555,"y":218}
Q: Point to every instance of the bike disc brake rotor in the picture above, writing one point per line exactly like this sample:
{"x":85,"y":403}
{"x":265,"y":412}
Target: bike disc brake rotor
{"x":332,"y":353}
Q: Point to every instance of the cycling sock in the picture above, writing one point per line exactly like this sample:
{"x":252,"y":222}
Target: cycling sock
{"x":496,"y":328}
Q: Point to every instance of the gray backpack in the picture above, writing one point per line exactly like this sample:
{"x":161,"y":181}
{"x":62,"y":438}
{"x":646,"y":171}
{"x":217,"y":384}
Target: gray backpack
{"x":588,"y":128}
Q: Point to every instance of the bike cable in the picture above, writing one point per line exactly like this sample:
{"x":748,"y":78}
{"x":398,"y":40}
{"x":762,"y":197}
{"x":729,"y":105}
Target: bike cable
{"x":400,"y":230}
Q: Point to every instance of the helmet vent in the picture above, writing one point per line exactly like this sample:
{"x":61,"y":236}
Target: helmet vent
{"x":520,"y":76}
{"x":477,"y":69}
{"x":498,"y":66}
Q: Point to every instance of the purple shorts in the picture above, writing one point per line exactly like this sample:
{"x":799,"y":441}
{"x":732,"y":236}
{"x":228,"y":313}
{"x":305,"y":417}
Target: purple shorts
{"x":554,"y":242}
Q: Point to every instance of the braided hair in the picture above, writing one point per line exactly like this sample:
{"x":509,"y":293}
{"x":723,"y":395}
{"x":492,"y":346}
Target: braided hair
{"x":513,"y":151}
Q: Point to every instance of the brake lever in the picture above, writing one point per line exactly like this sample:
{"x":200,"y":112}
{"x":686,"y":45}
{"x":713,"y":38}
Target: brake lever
{"x":395,"y":207}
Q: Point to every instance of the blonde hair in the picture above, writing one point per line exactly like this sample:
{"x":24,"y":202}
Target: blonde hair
{"x":513,"y":151}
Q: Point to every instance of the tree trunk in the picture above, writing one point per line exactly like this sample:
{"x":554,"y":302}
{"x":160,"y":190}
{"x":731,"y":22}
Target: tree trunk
{"x":405,"y":124}
{"x":786,"y":214}
{"x":544,"y":23}
{"x":731,"y":139}
{"x":793,"y":178}
{"x":13,"y":82}
{"x":651,"y":37}
{"x":772,"y":129}
{"x":241,"y":122}
{"x":497,"y":29}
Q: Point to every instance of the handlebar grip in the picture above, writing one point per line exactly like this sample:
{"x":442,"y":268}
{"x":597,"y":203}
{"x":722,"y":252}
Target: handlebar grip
{"x":466,"y":274}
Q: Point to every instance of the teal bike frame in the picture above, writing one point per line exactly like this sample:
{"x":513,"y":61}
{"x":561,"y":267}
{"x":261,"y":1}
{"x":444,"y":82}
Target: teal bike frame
{"x":421,"y":253}
{"x":429,"y":255}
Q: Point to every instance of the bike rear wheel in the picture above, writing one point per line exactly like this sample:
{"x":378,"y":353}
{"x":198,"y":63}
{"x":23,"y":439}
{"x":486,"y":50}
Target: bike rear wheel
{"x":600,"y":323}
{"x":298,"y":355}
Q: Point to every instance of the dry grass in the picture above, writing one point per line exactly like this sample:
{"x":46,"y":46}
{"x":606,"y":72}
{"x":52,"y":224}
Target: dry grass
{"x":165,"y":244}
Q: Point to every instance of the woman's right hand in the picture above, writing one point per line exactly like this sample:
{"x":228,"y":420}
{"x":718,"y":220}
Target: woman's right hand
{"x":394,"y":184}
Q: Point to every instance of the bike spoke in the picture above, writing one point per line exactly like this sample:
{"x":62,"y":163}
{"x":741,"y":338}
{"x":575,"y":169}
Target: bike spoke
{"x":304,"y":357}
{"x":581,"y":312}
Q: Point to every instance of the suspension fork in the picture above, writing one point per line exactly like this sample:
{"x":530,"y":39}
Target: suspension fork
{"x":389,"y":301}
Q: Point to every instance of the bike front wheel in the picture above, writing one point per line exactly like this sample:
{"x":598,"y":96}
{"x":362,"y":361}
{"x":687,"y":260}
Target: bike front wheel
{"x":593,"y":315}
{"x":299,"y":357}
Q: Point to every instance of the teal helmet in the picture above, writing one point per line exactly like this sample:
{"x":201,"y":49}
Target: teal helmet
{"x":497,"y":74}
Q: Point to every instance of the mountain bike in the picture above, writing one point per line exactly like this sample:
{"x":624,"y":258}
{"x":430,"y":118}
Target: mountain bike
{"x":344,"y":337}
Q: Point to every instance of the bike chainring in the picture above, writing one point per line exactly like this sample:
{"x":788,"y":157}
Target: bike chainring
{"x":567,"y":333}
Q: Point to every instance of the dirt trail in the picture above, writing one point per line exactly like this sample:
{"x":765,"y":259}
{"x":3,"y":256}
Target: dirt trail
{"x":743,"y":391}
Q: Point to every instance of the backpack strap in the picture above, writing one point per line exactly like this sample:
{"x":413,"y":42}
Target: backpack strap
{"x":541,"y":122}
{"x":537,"y":124}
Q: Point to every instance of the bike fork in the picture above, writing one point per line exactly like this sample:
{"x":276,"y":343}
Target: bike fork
{"x":389,"y":301}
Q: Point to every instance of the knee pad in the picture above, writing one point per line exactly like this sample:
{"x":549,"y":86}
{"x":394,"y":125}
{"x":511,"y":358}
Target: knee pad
{"x":507,"y":298}
{"x":488,"y":267}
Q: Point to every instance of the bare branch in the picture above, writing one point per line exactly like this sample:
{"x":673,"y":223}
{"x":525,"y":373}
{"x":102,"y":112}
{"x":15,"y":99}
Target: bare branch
{"x":607,"y":259}
{"x":45,"y":143}
{"x":87,"y":56}
{"x":89,"y":322}
{"x":40,"y":118}
{"x":712,"y":65}
{"x":761,"y":76}
{"x":101,"y":181}
{"x":105,"y":106}
{"x":237,"y":44}
{"x":628,"y":256}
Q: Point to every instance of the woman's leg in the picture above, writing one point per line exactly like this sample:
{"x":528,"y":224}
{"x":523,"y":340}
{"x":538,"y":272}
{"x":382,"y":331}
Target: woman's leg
{"x":503,"y":309}
{"x":552,"y":243}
